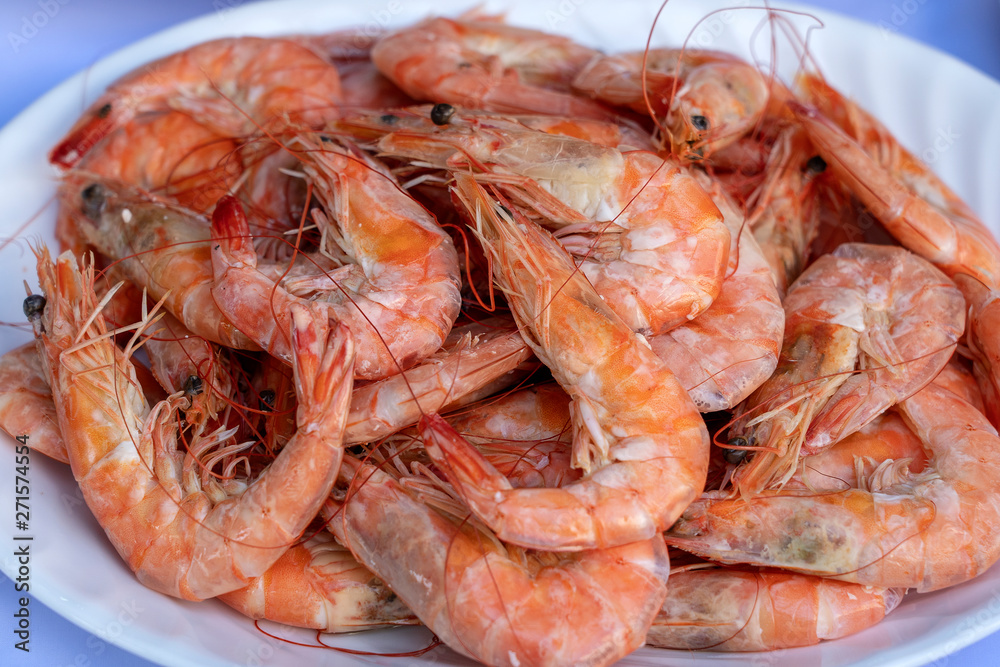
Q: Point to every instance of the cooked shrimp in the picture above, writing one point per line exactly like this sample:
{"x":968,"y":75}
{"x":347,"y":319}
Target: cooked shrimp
{"x":478,"y":61}
{"x":319,"y":584}
{"x":918,"y":210}
{"x":709,"y":99}
{"x":26,"y":408}
{"x":728,"y":351}
{"x":180,"y":537}
{"x":473,"y":358}
{"x":232,"y":86}
{"x":728,"y":609}
{"x":880,"y":310}
{"x":643,"y":231}
{"x":784,"y":210}
{"x":637,"y":435}
{"x":158,"y":247}
{"x":933,"y":529}
{"x":495,"y":603}
{"x":398,"y":283}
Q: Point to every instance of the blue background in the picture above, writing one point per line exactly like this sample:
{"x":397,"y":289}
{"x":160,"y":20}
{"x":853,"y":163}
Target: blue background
{"x":84,"y":31}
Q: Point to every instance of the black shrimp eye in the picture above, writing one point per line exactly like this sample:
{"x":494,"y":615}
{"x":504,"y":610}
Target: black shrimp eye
{"x":93,"y":200}
{"x":267,"y":400}
{"x":441,"y":114}
{"x":193,"y":385}
{"x":104,"y":111}
{"x":33,"y":306}
{"x":816,"y":164}
{"x":700,"y":123}
{"x":735,"y":456}
{"x":389,"y":119}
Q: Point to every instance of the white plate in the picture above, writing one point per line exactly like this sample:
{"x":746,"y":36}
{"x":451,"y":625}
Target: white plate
{"x":939,"y":107}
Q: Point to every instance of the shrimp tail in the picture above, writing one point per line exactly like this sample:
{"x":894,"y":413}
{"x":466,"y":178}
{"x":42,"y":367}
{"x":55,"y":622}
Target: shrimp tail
{"x":324,"y":357}
{"x":232,"y":231}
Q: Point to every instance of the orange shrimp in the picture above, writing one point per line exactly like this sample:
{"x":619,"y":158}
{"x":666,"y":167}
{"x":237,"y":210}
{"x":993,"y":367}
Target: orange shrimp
{"x":397,"y":286}
{"x":26,"y":408}
{"x":180,"y":536}
{"x":637,"y":436}
{"x":318,"y":584}
{"x":492,"y":602}
{"x":929,"y":530}
{"x":645,"y":233}
{"x":708,"y":99}
{"x":728,"y":351}
{"x":729,"y":609}
{"x":877,"y":309}
{"x":478,"y":61}
{"x":158,"y":247}
{"x":918,"y":209}
{"x":475,"y":358}
{"x":233,"y":86}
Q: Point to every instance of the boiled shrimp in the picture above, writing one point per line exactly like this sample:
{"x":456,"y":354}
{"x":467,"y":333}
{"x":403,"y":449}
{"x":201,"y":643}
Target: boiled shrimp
{"x":180,"y":537}
{"x":26,"y":408}
{"x":233,"y":86}
{"x":398,"y":283}
{"x":478,"y":61}
{"x":880,"y":310}
{"x":917,"y":208}
{"x":929,"y":530}
{"x":708,"y":99}
{"x":729,"y":609}
{"x":318,"y":584}
{"x":491,"y":602}
{"x":728,"y":351}
{"x":158,"y":247}
{"x":474,"y":359}
{"x":643,"y":231}
{"x":637,"y":435}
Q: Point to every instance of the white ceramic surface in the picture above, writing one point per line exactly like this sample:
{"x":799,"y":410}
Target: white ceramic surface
{"x":940,"y":108}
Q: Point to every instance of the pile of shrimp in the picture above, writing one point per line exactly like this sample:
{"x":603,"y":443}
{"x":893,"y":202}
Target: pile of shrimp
{"x":555,"y":352}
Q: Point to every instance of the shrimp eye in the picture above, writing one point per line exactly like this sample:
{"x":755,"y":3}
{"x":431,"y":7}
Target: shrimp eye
{"x":441,"y":114}
{"x":104,"y":111}
{"x":816,"y":164}
{"x":267,"y":400}
{"x":33,"y":306}
{"x":389,"y":119}
{"x":700,"y":123}
{"x":735,"y":456}
{"x":93,"y":201}
{"x":193,"y":385}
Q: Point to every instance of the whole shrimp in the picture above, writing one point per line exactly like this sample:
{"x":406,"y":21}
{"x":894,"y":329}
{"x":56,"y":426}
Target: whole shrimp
{"x":644,"y":232}
{"x":319,"y":584}
{"x":478,"y":61}
{"x":708,"y":99}
{"x":918,"y":209}
{"x":233,"y":86}
{"x":161,"y":248}
{"x":180,"y":537}
{"x":397,"y":286}
{"x":733,"y":609}
{"x":880,"y":310}
{"x":928,"y":530}
{"x":494,"y":602}
{"x":728,"y":351}
{"x":637,"y":436}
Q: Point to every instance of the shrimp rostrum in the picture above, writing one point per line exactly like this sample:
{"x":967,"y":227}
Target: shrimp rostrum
{"x":182,"y":537}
